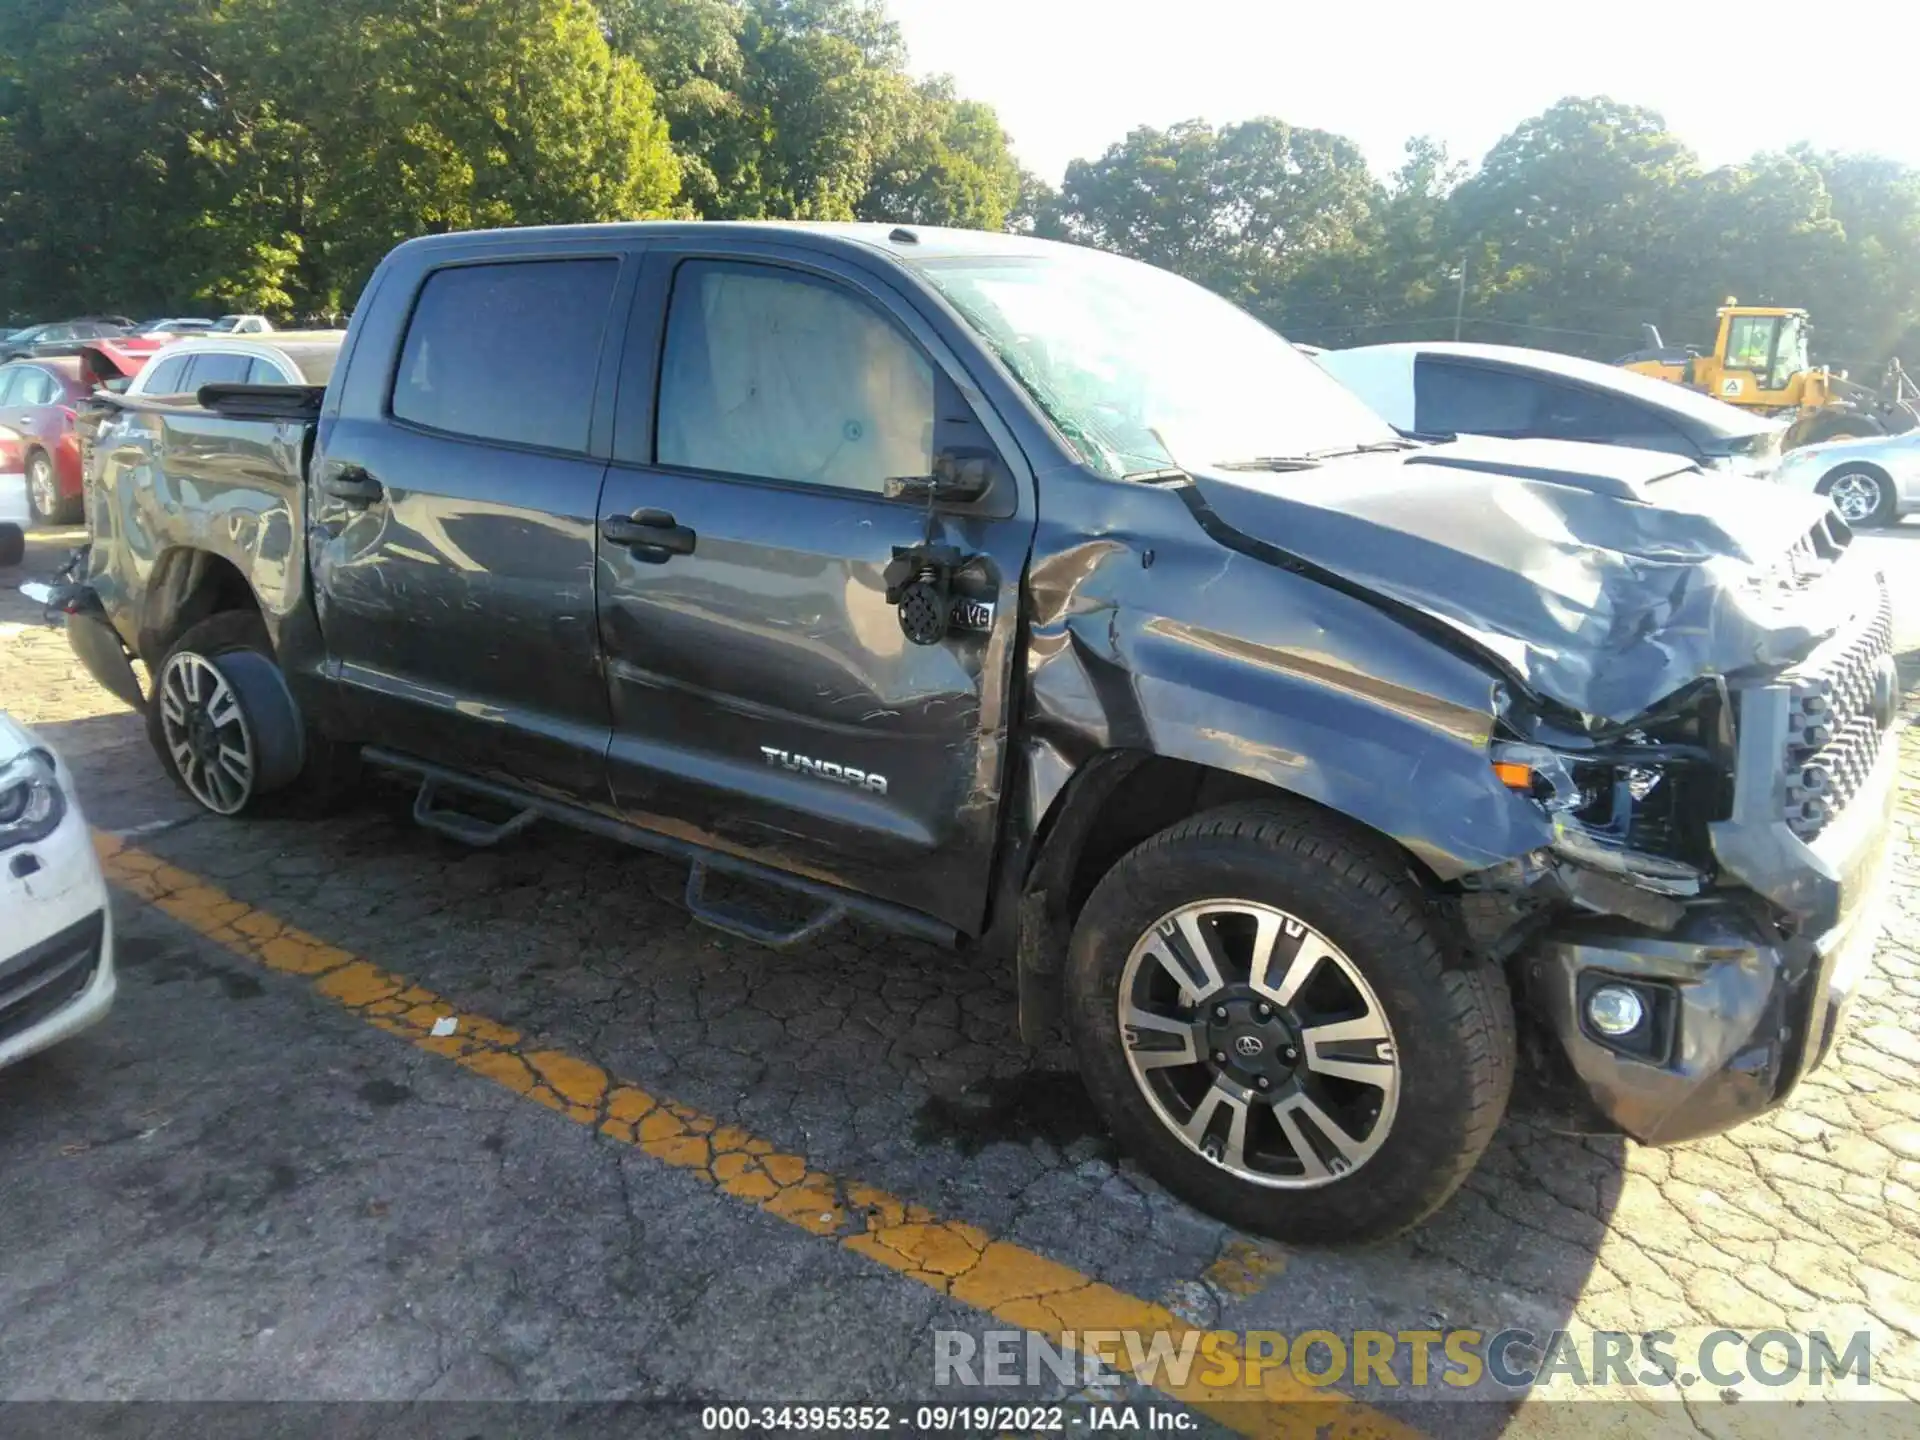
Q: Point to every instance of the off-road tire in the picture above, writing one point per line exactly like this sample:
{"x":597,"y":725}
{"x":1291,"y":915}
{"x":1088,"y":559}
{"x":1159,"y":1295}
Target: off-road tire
{"x":1452,"y":1022}
{"x":326,"y":772}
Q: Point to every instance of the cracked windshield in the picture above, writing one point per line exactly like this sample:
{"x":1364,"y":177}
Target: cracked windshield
{"x":1143,"y":371}
{"x":1026,"y":718}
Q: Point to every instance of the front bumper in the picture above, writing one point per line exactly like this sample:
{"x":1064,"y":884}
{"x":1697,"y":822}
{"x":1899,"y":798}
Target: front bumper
{"x":1748,"y":992}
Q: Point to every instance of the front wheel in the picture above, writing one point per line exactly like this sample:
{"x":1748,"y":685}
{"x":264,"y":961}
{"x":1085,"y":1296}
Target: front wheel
{"x":1860,"y":496}
{"x":1270,"y":1022}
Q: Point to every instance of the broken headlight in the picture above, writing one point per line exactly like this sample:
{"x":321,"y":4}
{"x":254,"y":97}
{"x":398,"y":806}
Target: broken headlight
{"x":1641,"y":816}
{"x":1633,"y":801}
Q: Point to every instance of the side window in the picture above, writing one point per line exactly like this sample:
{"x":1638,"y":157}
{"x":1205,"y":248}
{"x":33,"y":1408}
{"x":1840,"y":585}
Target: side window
{"x":11,"y":379}
{"x":1570,"y":413}
{"x":217,"y":369}
{"x":166,"y":378}
{"x":264,"y":372}
{"x":780,"y":376}
{"x":37,"y":387}
{"x":1452,"y":399}
{"x":507,"y":352}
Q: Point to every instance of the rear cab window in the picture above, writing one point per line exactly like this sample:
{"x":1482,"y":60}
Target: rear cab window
{"x":507,"y":351}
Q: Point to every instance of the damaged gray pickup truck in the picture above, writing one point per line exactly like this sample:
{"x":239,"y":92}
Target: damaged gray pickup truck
{"x":1041,"y":605}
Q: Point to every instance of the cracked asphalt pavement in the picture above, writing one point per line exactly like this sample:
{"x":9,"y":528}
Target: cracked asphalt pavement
{"x":655,"y":1161}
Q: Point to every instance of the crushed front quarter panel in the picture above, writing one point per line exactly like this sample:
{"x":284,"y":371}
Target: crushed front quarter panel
{"x":1146,"y":635}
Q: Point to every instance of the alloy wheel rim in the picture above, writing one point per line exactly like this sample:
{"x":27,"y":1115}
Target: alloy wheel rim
{"x":206,"y":733}
{"x":1259,"y":1044}
{"x":1855,"y":495}
{"x":40,"y":479}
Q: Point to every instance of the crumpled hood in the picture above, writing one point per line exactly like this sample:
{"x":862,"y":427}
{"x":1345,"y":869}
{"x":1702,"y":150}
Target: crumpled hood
{"x":1605,"y":578}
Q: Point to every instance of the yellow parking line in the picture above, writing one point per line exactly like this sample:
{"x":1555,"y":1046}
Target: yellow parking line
{"x":1010,"y":1283}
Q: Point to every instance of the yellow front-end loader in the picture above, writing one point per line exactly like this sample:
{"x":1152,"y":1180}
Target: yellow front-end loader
{"x":1760,"y":362}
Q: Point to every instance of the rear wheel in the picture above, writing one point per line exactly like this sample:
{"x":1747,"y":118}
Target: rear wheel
{"x":43,"y":493}
{"x":1860,"y":496}
{"x":227,"y":730}
{"x":1270,"y":1022}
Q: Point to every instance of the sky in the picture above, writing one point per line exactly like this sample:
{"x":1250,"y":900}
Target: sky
{"x":1071,"y":77}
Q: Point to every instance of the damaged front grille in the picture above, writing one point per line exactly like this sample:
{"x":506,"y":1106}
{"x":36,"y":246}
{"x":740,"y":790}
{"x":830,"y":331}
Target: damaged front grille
{"x":1843,"y":700}
{"x":1811,"y":557}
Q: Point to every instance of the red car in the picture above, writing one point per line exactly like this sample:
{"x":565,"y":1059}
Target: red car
{"x":37,"y":398}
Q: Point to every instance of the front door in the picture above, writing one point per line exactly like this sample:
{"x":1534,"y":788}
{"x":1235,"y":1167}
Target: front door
{"x":765,"y":697}
{"x":453,"y":524}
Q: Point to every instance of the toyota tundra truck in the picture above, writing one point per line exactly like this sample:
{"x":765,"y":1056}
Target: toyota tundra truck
{"x":1042,"y":606}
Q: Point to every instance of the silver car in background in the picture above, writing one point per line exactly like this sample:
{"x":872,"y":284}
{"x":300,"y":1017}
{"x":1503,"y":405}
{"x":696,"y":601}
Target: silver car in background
{"x":1871,"y":481}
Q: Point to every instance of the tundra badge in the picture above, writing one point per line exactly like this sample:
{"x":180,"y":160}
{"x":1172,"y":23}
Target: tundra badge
{"x":826,"y":770}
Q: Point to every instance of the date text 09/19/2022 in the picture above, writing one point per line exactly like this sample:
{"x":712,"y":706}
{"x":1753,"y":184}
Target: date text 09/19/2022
{"x":934,"y":1419}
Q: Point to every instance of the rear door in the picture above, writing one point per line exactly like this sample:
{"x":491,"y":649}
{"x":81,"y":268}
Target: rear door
{"x":765,"y":698}
{"x":453,"y":504}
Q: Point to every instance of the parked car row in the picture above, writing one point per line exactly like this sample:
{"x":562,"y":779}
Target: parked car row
{"x":61,"y":337}
{"x":42,"y":397}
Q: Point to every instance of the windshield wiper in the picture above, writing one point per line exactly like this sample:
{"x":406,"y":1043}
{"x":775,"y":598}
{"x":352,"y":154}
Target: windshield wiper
{"x":1372,"y":447}
{"x":1312,"y":458}
{"x":1271,"y":462}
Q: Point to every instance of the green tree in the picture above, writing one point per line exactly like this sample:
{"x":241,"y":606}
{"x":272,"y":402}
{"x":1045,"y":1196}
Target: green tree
{"x":266,"y":153}
{"x":950,"y":165}
{"x":1866,"y":299}
{"x":440,"y":115}
{"x":1574,"y":216}
{"x":781,"y":109}
{"x":1243,"y":209}
{"x":104,"y":108}
{"x":1760,"y":231}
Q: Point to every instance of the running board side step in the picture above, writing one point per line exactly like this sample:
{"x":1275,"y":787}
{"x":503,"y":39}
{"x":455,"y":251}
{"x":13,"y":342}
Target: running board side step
{"x":733,"y":920}
{"x":467,"y":829}
{"x":834,"y":904}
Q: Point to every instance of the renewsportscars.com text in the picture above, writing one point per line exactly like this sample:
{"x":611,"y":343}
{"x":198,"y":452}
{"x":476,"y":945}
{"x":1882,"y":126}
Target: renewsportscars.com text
{"x":1516,"y":1359}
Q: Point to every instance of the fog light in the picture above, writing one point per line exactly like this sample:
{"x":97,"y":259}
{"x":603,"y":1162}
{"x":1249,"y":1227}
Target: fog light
{"x":1615,"y":1010}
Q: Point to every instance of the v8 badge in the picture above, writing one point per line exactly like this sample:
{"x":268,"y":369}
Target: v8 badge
{"x":971,"y":615}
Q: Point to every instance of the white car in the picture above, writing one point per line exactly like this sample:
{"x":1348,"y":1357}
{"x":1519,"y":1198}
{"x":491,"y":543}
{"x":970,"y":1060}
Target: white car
{"x":1871,"y":481}
{"x":56,"y":926}
{"x":1441,"y":388}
